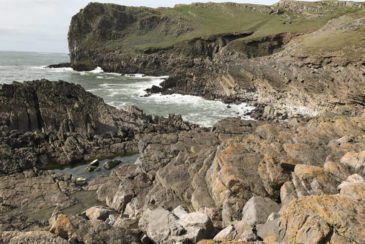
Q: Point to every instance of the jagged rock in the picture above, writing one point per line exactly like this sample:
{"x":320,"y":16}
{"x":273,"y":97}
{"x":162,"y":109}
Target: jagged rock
{"x":270,"y":228}
{"x":67,"y":124}
{"x":27,"y":202}
{"x":111,"y":164}
{"x":60,"y":224}
{"x":355,"y":161}
{"x":78,"y":229}
{"x":160,"y":225}
{"x":292,"y":73}
{"x":238,"y":231}
{"x":163,"y":226}
{"x":98,"y":212}
{"x":257,"y":209}
{"x":308,"y":180}
{"x":31,"y":237}
{"x":314,"y":219}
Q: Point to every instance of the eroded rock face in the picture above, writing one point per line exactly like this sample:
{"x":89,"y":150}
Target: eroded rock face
{"x":293,"y":74}
{"x":314,"y":219}
{"x":41,"y":237}
{"x":59,"y":122}
{"x":217,"y":172}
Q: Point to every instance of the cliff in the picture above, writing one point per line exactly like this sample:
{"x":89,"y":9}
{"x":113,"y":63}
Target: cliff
{"x":289,"y":55}
{"x":44,"y":123}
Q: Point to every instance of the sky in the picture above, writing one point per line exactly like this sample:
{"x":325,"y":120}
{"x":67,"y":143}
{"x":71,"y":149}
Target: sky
{"x":42,"y":25}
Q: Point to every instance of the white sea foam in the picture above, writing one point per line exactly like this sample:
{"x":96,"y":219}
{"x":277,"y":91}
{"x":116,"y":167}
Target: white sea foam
{"x":98,"y":70}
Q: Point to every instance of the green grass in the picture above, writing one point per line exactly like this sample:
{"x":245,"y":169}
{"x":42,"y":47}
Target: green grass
{"x":209,"y":19}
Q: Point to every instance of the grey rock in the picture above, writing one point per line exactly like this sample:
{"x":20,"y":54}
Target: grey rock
{"x":257,"y":209}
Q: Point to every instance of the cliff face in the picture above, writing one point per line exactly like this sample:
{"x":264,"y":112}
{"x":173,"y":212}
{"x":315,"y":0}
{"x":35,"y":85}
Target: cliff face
{"x":293,"y":54}
{"x":43,"y":122}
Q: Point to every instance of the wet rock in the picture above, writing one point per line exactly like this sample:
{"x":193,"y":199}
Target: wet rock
{"x":111,"y":164}
{"x":80,"y":181}
{"x":257,"y":209}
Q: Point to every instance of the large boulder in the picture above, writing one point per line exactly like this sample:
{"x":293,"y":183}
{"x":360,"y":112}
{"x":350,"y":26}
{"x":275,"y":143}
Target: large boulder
{"x":318,"y":219}
{"x":257,"y":209}
{"x":163,"y":226}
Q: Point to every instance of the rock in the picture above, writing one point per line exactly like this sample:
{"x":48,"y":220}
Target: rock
{"x":79,"y":229}
{"x":41,"y":237}
{"x":60,"y":65}
{"x":160,"y":225}
{"x":94,"y":163}
{"x":227,"y":234}
{"x":308,"y":180}
{"x":356,"y":161}
{"x":62,"y":123}
{"x":27,"y":203}
{"x":98,"y":212}
{"x":239,"y":231}
{"x":257,"y":209}
{"x":111,"y":164}
{"x":270,"y":228}
{"x":353,"y":187}
{"x":80,"y":181}
{"x":316,"y":219}
{"x":179,"y":212}
{"x":164,"y":227}
{"x":61,"y":225}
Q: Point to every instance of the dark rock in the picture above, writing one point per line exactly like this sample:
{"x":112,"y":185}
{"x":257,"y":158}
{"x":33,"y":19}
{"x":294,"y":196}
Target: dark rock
{"x":111,"y":164}
{"x":60,"y":65}
{"x":60,"y":122}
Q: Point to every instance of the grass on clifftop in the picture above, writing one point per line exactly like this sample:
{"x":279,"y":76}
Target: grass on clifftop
{"x":208,"y":19}
{"x":185,"y":22}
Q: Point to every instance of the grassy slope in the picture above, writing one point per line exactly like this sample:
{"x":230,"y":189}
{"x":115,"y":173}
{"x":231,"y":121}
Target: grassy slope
{"x":208,"y":19}
{"x":215,"y":19}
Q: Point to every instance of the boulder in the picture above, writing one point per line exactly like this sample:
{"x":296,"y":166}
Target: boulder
{"x":258,"y":209}
{"x":318,"y":219}
{"x":98,"y":212}
{"x":60,"y":224}
{"x":111,"y":164}
{"x":238,"y":231}
{"x":160,"y":225}
{"x":163,"y":226}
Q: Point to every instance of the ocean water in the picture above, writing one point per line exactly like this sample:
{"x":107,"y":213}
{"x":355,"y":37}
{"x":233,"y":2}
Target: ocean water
{"x":116,"y":89}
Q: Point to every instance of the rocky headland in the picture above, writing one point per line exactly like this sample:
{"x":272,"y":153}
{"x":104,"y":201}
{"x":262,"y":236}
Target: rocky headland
{"x":293,"y":57}
{"x":282,"y":178}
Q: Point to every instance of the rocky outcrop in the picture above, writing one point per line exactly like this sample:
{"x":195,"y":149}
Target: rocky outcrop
{"x":217,"y":172}
{"x":239,"y":180}
{"x":293,"y":69}
{"x":43,"y":122}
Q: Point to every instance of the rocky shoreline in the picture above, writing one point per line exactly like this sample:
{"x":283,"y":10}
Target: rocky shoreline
{"x":291,"y":71}
{"x":253,"y":181}
{"x":296,"y":174}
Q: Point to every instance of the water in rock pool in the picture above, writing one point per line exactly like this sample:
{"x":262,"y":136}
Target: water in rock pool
{"x":116,"y":89}
{"x":81,"y":170}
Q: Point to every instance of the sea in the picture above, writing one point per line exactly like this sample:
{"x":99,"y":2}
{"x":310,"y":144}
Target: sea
{"x":116,"y":89}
